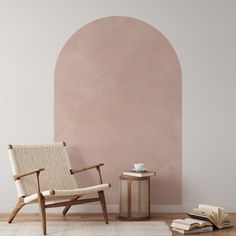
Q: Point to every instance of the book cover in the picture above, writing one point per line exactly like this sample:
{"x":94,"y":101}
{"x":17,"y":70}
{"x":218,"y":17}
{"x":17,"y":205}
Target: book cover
{"x":139,"y":174}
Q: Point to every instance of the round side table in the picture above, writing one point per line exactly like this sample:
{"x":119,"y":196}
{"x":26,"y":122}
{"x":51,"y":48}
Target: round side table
{"x":134,"y":198}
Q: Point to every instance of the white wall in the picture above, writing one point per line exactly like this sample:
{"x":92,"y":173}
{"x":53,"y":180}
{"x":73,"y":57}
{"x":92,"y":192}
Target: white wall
{"x":203,"y":34}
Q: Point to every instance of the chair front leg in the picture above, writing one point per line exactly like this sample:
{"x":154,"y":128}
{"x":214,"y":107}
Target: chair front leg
{"x":103,"y":205}
{"x":42,"y":211}
{"x":17,"y":208}
{"x":41,"y":201}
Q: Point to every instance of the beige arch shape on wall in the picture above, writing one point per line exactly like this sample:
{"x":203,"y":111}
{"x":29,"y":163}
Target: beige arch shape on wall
{"x":118,"y":101}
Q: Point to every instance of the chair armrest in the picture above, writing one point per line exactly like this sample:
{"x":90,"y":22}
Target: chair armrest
{"x":73,"y":171}
{"x":88,"y":168}
{"x":16,"y":177}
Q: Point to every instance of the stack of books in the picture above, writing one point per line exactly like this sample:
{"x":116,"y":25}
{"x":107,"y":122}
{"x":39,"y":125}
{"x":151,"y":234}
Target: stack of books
{"x":204,"y":218}
{"x":191,"y":226}
{"x":144,"y":173}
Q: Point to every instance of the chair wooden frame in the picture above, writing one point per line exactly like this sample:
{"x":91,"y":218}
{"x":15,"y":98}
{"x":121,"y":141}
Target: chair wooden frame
{"x":66,"y":204}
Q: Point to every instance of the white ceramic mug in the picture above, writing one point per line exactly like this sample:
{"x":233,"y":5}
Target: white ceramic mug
{"x":139,"y":166}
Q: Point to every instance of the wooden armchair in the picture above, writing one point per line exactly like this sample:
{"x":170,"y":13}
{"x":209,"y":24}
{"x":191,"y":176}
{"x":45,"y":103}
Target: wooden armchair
{"x":42,"y":174}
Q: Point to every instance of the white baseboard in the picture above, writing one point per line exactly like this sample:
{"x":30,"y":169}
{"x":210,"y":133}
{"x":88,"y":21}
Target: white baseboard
{"x":96,"y":208}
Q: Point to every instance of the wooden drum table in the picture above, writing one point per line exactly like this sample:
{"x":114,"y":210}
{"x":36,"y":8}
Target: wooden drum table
{"x":134,"y":198}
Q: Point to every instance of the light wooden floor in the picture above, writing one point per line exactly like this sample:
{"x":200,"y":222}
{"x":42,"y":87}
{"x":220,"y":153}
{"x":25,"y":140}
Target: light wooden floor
{"x":114,"y":217}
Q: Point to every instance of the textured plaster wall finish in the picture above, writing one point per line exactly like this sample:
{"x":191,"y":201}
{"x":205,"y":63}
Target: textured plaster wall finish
{"x":118,"y":101}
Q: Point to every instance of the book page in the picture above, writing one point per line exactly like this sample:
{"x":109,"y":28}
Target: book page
{"x":193,"y":221}
{"x":215,"y":214}
{"x":210,"y":209}
{"x":199,"y":211}
{"x":190,"y":221}
{"x":226,"y":218}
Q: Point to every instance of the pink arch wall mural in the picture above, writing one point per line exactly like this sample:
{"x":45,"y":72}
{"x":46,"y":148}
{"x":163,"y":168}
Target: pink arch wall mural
{"x":118,"y":102}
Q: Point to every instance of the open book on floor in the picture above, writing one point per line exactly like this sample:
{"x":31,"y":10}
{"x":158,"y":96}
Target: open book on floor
{"x":214,"y":214}
{"x":189,"y":224}
{"x":194,"y":231}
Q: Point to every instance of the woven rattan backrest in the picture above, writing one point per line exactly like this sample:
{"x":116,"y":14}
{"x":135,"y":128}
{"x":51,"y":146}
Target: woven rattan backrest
{"x":52,"y":157}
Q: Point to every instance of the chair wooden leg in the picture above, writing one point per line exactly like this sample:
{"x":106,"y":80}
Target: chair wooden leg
{"x":17,"y":208}
{"x":69,"y":206}
{"x":103,"y":204}
{"x":42,"y":210}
